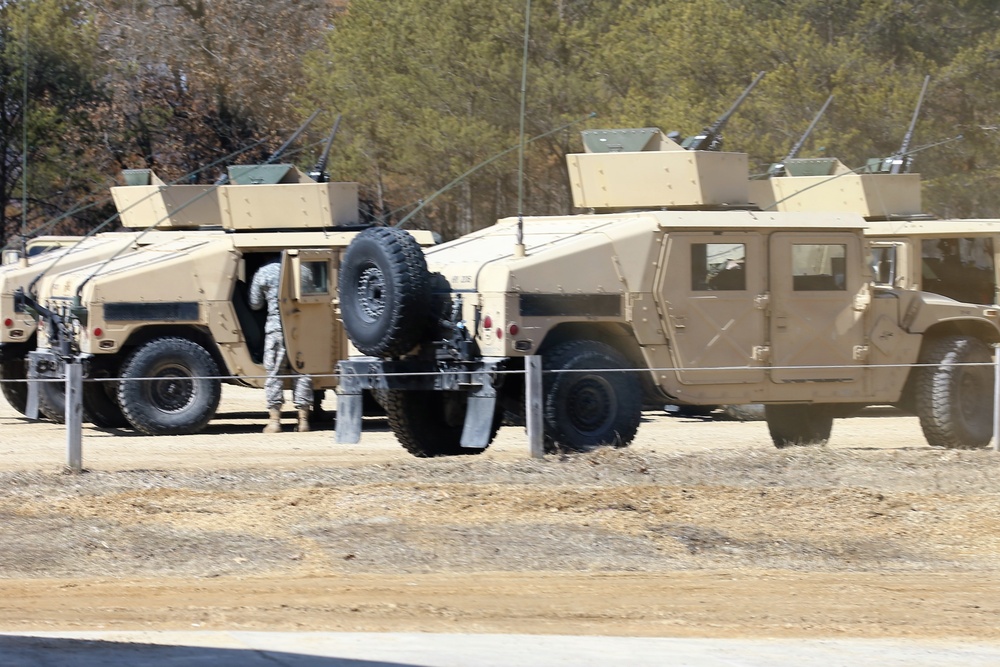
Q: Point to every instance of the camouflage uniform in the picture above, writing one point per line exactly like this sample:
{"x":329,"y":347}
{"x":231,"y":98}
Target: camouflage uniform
{"x":264,"y":290}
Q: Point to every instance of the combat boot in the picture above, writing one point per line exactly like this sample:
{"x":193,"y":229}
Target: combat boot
{"x":274,"y":421}
{"x":303,"y":420}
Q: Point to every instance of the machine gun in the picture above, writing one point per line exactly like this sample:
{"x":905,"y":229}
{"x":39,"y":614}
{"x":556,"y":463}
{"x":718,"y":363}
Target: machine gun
{"x":222,"y":180}
{"x":778,"y":168}
{"x":319,"y":173}
{"x":900,"y":162}
{"x":710,"y":139}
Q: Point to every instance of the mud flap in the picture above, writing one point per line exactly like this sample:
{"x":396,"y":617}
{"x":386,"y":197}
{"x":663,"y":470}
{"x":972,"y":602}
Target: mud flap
{"x":477,"y":430}
{"x":31,"y":408}
{"x":349,"y":411}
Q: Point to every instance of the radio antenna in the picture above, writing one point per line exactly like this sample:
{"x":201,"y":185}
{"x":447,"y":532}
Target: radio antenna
{"x":519,"y":243}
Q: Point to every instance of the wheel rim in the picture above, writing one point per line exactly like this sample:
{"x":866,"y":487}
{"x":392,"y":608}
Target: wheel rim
{"x":173,"y":389}
{"x":371,"y":293}
{"x":590,"y":404}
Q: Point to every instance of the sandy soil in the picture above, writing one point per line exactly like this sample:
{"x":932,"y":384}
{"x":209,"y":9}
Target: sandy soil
{"x":700,"y":528}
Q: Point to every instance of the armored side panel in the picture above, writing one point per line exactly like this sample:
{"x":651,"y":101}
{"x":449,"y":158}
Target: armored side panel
{"x":660,"y":178}
{"x":259,"y":197}
{"x":167,"y":206}
{"x":825,"y":184}
{"x":628,"y":140}
{"x":277,"y":206}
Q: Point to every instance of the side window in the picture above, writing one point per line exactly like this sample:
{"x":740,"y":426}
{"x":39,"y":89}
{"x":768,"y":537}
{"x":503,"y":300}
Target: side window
{"x":718,"y":266}
{"x":819,"y":267}
{"x":315,"y":276}
{"x":883,"y":262}
{"x":960,"y":268}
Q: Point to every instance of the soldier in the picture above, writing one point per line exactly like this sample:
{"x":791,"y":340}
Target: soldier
{"x":264,"y":289}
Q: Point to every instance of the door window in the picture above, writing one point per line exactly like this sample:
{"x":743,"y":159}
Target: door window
{"x":718,"y":266}
{"x":819,"y":267}
{"x":315,"y":276}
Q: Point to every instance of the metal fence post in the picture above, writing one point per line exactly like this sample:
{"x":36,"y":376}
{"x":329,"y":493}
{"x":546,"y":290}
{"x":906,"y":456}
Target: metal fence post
{"x":533,"y":404}
{"x":74,"y":416}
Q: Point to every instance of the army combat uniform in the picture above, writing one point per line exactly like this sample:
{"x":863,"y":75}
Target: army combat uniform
{"x":264,"y":290}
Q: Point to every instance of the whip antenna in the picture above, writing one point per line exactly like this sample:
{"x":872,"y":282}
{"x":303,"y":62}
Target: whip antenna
{"x":519,"y":243}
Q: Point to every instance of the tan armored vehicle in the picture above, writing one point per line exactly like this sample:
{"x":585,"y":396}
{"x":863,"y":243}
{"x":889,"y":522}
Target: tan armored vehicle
{"x":178,"y":311}
{"x":910,"y":250}
{"x":675,"y":289}
{"x":47,"y":253}
{"x":36,"y":246}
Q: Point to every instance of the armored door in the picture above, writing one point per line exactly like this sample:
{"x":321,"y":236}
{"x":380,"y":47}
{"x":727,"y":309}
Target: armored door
{"x":313,"y":336}
{"x":711,"y":289}
{"x":819,"y":302}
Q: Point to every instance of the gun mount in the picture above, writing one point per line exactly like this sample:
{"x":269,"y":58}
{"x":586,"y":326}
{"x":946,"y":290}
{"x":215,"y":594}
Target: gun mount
{"x":778,"y":168}
{"x":901,"y":161}
{"x":256,"y":197}
{"x":710,"y":139}
{"x":643,"y":168}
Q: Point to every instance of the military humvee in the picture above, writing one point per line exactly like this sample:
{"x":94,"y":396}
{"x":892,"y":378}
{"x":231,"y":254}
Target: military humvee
{"x":46,"y":253}
{"x":674,"y":287}
{"x":36,"y":246}
{"x":174,"y":319}
{"x":910,"y":250}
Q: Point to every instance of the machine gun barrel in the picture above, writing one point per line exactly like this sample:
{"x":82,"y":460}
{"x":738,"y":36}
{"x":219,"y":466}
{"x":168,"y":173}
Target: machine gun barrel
{"x":222,"y":180}
{"x":809,"y":130}
{"x":709,"y":138}
{"x":900,"y":160}
{"x":318,"y":173}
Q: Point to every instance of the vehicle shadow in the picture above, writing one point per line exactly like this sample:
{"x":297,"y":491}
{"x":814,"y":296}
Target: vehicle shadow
{"x":238,"y":423}
{"x":26,"y":651}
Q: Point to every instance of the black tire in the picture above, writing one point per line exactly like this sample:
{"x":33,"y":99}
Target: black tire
{"x":384,"y":289}
{"x":372,"y":403}
{"x":955,"y":402}
{"x":584,"y":410}
{"x":798,"y":425}
{"x":100,"y":404}
{"x":429,"y":423}
{"x":16,"y":393}
{"x":181,"y":400}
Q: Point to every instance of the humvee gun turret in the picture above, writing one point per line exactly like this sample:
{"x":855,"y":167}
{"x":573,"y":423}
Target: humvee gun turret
{"x":910,"y":249}
{"x":174,"y":319}
{"x":684,"y":292}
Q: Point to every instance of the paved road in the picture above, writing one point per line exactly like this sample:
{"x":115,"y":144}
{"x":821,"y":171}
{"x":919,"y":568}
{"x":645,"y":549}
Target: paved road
{"x":331,"y":649}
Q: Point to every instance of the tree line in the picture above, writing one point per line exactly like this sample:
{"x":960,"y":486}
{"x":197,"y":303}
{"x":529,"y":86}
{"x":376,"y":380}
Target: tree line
{"x":429,"y":90}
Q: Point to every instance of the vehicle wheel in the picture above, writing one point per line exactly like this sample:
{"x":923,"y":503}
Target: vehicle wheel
{"x":16,"y":393}
{"x":100,"y":403}
{"x":798,"y":425}
{"x":429,"y":423}
{"x":179,"y":398}
{"x":955,"y":402}
{"x":583,"y":410}
{"x":373,"y":402}
{"x":384,"y":290}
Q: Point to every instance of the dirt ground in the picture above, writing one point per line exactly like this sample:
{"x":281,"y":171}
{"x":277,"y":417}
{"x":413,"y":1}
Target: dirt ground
{"x":700,"y":528}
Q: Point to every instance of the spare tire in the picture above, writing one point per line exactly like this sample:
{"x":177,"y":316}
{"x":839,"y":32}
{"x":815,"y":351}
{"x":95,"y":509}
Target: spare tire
{"x":384,"y":289}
